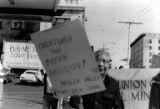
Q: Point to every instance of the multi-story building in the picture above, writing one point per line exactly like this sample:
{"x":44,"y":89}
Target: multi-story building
{"x":73,"y":9}
{"x":142,"y":50}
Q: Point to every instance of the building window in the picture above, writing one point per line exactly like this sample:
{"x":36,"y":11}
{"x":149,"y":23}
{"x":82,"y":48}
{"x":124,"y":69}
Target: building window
{"x":150,"y":60}
{"x":150,"y":54}
{"x":150,"y":41}
{"x":159,"y":41}
{"x":150,"y":47}
{"x":17,"y":25}
{"x":158,"y":47}
{"x":0,"y":24}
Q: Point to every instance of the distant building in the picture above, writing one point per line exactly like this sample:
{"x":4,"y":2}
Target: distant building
{"x":142,"y":49}
{"x":74,"y":9}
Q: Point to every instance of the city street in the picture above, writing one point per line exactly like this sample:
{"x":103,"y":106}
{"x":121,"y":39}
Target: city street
{"x":22,"y":96}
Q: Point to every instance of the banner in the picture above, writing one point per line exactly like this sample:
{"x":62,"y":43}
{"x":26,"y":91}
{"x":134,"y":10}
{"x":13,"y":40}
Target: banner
{"x":68,"y":59}
{"x":20,"y":55}
{"x":135,"y":85}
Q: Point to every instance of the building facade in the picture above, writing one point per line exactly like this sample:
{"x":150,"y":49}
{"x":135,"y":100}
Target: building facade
{"x":142,"y":50}
{"x":73,"y":9}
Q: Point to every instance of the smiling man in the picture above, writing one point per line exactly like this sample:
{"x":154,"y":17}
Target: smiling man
{"x":107,"y":99}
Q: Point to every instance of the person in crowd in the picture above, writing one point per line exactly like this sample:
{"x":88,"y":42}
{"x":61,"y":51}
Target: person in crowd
{"x":154,"y":101}
{"x":108,"y":99}
{"x":49,"y":99}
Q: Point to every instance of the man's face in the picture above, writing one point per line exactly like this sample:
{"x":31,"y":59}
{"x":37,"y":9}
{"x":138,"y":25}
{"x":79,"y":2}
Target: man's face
{"x":104,"y":63}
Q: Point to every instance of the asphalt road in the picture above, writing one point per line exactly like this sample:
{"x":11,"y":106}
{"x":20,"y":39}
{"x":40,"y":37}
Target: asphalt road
{"x":22,"y":96}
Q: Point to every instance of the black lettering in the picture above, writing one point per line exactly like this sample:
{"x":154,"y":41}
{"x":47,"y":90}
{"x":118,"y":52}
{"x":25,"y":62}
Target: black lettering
{"x":70,"y":82}
{"x":55,"y":60}
{"x":92,"y":78}
{"x":93,"y":87}
{"x":65,"y":69}
{"x":55,"y":42}
{"x":139,"y":96}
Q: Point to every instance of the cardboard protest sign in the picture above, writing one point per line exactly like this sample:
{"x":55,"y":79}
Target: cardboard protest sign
{"x":155,"y":61}
{"x":68,"y":59}
{"x":135,"y":85}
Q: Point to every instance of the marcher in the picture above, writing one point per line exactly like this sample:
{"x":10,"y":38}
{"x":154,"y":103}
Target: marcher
{"x":108,"y":99}
{"x":49,"y":99}
{"x":154,"y":102}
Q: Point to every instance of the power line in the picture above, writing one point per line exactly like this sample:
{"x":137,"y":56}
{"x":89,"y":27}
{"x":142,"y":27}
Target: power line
{"x":143,"y":10}
{"x":129,"y":23}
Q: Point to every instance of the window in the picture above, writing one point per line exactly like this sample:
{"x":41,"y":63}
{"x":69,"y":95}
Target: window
{"x":150,"y":54}
{"x":150,"y":41}
{"x":158,"y":47}
{"x":150,"y":60}
{"x":159,"y":41}
{"x":150,"y":47}
{"x":16,"y":25}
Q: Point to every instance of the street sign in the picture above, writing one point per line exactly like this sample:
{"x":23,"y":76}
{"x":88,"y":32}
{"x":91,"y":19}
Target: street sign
{"x":36,"y":10}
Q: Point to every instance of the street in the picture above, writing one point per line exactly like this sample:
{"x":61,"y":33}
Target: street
{"x":22,"y":96}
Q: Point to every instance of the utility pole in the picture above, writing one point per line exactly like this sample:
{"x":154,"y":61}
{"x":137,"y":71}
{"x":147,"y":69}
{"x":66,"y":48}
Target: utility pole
{"x":129,"y":23}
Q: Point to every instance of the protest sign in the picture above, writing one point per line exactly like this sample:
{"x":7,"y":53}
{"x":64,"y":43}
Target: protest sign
{"x":155,"y":61}
{"x":68,"y":59}
{"x":135,"y":85}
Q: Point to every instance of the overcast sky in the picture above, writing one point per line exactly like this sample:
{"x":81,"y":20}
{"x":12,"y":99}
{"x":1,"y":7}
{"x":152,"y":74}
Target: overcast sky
{"x":103,"y":16}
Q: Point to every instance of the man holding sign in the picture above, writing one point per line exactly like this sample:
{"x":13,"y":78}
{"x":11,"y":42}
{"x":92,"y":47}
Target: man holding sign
{"x":68,"y":60}
{"x":108,"y":99}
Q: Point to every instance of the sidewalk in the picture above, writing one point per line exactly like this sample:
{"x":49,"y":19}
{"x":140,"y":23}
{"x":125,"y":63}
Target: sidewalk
{"x":20,"y":103}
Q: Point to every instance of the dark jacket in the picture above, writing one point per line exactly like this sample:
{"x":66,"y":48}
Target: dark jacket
{"x":154,"y":102}
{"x":108,"y":99}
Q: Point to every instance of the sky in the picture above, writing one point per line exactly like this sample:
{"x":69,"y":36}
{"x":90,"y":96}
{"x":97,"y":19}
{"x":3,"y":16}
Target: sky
{"x":103,"y":29}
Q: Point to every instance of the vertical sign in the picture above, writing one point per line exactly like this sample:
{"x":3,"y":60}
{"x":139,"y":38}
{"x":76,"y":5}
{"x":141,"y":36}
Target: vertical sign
{"x":68,"y":59}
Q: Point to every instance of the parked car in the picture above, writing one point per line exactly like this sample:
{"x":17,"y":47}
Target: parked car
{"x":6,"y":75}
{"x":32,"y":76}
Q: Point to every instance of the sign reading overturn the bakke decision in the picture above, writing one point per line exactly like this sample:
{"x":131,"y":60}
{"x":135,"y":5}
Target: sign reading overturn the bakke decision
{"x":68,"y":59}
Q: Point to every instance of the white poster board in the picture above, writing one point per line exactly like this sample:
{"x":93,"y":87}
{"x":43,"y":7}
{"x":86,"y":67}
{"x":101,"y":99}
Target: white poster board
{"x":20,"y":55}
{"x":68,"y":59}
{"x":135,"y":85}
